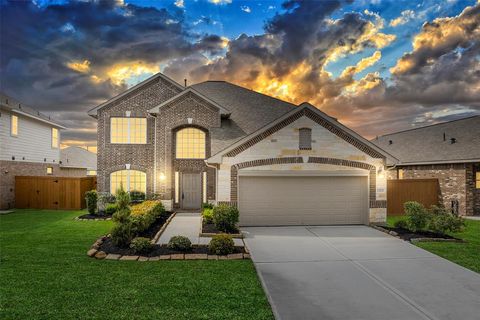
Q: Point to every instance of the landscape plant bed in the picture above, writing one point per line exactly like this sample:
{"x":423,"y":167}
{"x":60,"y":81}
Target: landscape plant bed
{"x":97,"y":217}
{"x":408,"y":235}
{"x":209,"y":230}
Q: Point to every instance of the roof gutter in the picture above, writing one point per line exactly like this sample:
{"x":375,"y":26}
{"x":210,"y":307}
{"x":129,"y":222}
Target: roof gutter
{"x":400,"y":164}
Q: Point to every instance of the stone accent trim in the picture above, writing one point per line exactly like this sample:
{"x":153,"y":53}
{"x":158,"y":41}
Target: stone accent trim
{"x":255,"y":163}
{"x":318,"y":119}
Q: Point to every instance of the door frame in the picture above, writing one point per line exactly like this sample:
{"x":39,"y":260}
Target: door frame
{"x":181,"y":174}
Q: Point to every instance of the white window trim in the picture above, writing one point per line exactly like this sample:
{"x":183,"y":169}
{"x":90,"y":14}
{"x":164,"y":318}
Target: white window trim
{"x":177,"y":187}
{"x":58,"y":138}
{"x":11,"y":125}
{"x":128,"y":130}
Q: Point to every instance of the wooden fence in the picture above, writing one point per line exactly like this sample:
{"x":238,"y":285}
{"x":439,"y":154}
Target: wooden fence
{"x":425,"y":191}
{"x":52,"y":192}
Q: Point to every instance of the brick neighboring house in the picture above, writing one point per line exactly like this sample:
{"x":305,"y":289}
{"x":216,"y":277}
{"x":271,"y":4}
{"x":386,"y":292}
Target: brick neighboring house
{"x":448,"y":151}
{"x":280,"y":163}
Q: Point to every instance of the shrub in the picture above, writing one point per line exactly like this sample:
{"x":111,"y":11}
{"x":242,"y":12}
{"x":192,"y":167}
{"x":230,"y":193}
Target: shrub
{"x":142,"y":245}
{"x":122,"y":234}
{"x":225,"y":217}
{"x":137,"y":196}
{"x":110,"y":209}
{"x":122,"y":198}
{"x":221,"y":244}
{"x":104,"y":198}
{"x":145,"y":214}
{"x":443,"y":221}
{"x":121,"y":215}
{"x":207,"y":215}
{"x":401,"y":224}
{"x":417,"y":216}
{"x":207,"y":205}
{"x":179,"y":243}
{"x":91,"y":198}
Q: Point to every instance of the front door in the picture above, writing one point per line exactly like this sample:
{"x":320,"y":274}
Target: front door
{"x":191,"y":190}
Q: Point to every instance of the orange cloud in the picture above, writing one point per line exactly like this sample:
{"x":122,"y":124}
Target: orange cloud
{"x":79,"y":66}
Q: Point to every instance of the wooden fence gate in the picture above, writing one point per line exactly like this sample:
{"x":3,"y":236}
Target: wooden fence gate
{"x":424,"y":191}
{"x":52,"y":192}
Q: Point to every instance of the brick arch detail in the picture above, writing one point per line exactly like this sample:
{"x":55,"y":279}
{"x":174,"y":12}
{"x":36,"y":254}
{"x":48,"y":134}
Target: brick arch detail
{"x":132,"y":167}
{"x":373,"y":203}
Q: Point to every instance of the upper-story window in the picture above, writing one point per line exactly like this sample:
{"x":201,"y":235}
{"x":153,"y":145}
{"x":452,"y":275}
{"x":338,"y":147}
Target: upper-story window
{"x":477,"y":179}
{"x":305,"y":139}
{"x":190,"y":144}
{"x":128,"y":130}
{"x":14,"y":125}
{"x":55,"y":138}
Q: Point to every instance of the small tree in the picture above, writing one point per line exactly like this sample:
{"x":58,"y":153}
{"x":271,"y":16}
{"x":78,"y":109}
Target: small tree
{"x":91,"y":197}
{"x":122,"y":230}
{"x":417,"y":216}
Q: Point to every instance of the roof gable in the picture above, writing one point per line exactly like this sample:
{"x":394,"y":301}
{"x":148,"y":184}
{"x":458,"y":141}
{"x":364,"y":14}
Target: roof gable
{"x":135,"y":88}
{"x":186,"y":93}
{"x":305,"y":109}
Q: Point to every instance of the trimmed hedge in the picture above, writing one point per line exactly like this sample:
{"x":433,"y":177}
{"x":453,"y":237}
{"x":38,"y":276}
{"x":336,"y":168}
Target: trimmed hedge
{"x":143,"y":215}
{"x":221,"y":244}
{"x":225,"y":218}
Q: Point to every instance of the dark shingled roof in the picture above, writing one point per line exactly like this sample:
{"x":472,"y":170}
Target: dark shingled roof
{"x":250,"y":111}
{"x":427,"y":144}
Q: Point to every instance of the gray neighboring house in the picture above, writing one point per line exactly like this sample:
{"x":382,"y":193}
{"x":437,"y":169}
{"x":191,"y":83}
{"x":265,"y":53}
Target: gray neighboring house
{"x":448,"y":151}
{"x":280,"y":163}
{"x":77,"y":161}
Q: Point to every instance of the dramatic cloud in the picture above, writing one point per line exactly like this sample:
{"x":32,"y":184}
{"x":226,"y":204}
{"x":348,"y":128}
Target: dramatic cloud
{"x":404,"y":17}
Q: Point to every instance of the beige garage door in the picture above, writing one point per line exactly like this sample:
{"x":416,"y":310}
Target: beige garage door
{"x":313,"y":200}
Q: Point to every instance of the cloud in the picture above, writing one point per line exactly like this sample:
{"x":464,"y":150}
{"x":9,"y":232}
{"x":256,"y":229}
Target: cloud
{"x":362,"y":64}
{"x":220,"y":2}
{"x":79,"y":66}
{"x":246,"y":9}
{"x":179,"y":3}
{"x":404,"y":17}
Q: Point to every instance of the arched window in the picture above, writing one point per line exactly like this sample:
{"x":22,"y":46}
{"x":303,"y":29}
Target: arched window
{"x":131,"y":180}
{"x":305,"y":139}
{"x":190,"y":144}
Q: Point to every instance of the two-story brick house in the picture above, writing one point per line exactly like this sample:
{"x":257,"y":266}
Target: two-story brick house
{"x":217,"y":142}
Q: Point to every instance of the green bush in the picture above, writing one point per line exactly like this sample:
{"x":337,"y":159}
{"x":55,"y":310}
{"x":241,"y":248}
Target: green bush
{"x":401,"y":224}
{"x":145,"y":214}
{"x":137,"y":196}
{"x":207,"y":205}
{"x":179,"y":243}
{"x":225,"y":217}
{"x":122,"y":198}
{"x":221,"y":244}
{"x":417,"y":216}
{"x":110,"y":209}
{"x":443,"y":221}
{"x":122,"y":234}
{"x":207,"y":215}
{"x":91,"y":197}
{"x":142,"y":245}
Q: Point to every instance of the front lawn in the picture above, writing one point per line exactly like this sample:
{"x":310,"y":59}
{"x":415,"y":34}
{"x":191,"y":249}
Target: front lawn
{"x":46,"y":274}
{"x":465,"y":254}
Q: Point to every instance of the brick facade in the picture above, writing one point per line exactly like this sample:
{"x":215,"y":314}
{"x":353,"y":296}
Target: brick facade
{"x":10,"y":169}
{"x":113,"y":157}
{"x":457,"y":182}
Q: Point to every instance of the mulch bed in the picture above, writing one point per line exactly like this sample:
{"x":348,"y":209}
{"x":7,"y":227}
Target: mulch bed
{"x":108,"y":247}
{"x":89,"y":216}
{"x":155,"y":227}
{"x":408,"y":235}
{"x":211,"y":228}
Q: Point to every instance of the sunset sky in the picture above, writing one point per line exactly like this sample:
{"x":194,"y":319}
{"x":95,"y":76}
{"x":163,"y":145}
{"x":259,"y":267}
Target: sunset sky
{"x":378,"y":66}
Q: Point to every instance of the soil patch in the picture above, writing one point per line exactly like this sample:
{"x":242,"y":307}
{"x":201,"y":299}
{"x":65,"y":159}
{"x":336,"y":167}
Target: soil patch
{"x":408,"y":235}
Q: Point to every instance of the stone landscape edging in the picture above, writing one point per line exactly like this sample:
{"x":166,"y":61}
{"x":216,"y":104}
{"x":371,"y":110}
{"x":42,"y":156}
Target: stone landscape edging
{"x":211,"y":235}
{"x":162,"y":229}
{"x":96,"y":219}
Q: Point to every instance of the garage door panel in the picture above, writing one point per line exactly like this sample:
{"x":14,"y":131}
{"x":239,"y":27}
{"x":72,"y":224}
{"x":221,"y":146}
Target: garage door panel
{"x":290,"y":200}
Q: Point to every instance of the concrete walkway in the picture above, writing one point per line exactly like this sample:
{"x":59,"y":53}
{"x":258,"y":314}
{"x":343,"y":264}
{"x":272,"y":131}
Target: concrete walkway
{"x":356,"y":272}
{"x":188,"y":224}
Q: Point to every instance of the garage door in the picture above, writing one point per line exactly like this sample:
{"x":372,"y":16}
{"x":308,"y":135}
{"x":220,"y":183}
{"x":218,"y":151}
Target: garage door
{"x":293,"y":200}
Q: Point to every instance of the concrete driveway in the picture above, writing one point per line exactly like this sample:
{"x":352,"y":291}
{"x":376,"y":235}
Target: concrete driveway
{"x":356,"y":272}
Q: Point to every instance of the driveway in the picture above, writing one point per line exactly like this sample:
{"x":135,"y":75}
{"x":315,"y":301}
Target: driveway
{"x":356,"y":272}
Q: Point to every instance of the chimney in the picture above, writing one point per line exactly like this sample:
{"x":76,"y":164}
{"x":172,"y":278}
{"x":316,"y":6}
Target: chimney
{"x":185,"y":82}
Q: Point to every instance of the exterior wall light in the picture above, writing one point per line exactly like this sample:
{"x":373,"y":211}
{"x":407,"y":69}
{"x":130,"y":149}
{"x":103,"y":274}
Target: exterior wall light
{"x":162,"y":176}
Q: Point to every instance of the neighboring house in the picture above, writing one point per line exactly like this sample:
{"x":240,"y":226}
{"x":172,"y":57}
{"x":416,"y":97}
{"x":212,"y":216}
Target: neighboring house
{"x":280,"y":163}
{"x":29,"y":146}
{"x":449,"y":152}
{"x":78,"y":162}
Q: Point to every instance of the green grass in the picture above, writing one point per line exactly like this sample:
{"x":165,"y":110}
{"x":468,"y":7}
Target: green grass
{"x":465,"y":254}
{"x":46,"y":274}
